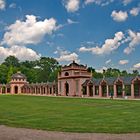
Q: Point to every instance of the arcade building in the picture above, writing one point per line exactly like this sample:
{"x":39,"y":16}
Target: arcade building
{"x":75,"y":80}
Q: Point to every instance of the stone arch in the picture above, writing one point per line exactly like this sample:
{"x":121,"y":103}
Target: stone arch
{"x":119,"y":87}
{"x":136,"y":82}
{"x":16,"y":89}
{"x":66,"y":88}
{"x":3,"y":89}
{"x":104,"y":88}
{"x":90,"y":88}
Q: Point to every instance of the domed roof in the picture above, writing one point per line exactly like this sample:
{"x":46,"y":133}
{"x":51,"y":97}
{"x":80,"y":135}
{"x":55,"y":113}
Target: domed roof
{"x":75,"y":65}
{"x":18,"y":75}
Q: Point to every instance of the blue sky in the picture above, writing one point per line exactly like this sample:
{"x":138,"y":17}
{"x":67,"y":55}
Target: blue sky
{"x":99,"y":33}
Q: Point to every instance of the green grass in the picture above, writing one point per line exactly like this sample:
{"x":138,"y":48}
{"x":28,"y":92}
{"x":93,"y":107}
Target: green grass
{"x":70,"y":114}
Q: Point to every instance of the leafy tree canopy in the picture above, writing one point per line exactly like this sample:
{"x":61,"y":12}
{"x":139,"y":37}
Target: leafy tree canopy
{"x":46,"y":69}
{"x":112,"y":72}
{"x":11,"y":61}
{"x":42,"y":70}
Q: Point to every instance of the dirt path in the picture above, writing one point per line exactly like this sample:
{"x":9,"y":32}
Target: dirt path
{"x":9,"y":133}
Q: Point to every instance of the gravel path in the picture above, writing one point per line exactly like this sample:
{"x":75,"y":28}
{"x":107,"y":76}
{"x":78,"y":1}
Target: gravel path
{"x":9,"y":133}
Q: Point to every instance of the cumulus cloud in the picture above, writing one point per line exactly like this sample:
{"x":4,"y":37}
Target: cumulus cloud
{"x":136,"y":66}
{"x":21,"y":52}
{"x":2,"y":4}
{"x":135,"y":11}
{"x":71,"y":5}
{"x":109,"y":46}
{"x":22,"y":33}
{"x":119,"y":16}
{"x":123,"y":62}
{"x":29,"y":31}
{"x":134,"y":38}
{"x":66,"y":56}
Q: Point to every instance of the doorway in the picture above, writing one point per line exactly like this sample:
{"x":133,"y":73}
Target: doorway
{"x":16,"y":89}
{"x":67,"y":88}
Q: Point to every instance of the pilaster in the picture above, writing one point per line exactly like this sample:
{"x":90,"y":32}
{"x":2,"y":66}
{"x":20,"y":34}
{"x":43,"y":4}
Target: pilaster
{"x":115,"y":91}
{"x":132,"y":90}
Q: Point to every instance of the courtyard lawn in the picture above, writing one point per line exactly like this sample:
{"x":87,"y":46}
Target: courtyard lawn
{"x":70,"y":114}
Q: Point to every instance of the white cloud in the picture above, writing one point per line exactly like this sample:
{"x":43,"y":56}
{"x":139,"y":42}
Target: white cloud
{"x":2,"y":4}
{"x":136,"y":66}
{"x":69,"y":21}
{"x":71,"y":5}
{"x":135,"y":11}
{"x":119,"y":16}
{"x":108,"y":61}
{"x":21,"y":52}
{"x":134,"y":38}
{"x":66,"y":56}
{"x":12,"y":5}
{"x":89,"y":1}
{"x":109,"y":46}
{"x":123,"y":62}
{"x":98,"y":2}
{"x":106,"y":2}
{"x":125,"y":2}
{"x":101,"y":69}
{"x":29,"y":31}
{"x":22,"y":33}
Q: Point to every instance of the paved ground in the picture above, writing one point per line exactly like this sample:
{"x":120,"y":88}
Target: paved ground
{"x":9,"y":133}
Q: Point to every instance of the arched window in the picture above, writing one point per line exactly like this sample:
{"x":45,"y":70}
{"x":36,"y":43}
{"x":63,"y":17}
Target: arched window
{"x":66,"y":74}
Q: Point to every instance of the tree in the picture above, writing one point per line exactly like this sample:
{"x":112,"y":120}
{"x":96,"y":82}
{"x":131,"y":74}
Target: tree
{"x":10,"y":73}
{"x":53,"y":75}
{"x":11,"y":61}
{"x":90,"y":69}
{"x":135,"y":72}
{"x":3,"y":73}
{"x":47,"y":66}
{"x":124,"y":73}
{"x":46,"y":69}
{"x":97,"y":75}
{"x":29,"y":64}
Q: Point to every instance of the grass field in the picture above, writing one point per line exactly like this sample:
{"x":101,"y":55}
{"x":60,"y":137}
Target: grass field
{"x":70,"y":114}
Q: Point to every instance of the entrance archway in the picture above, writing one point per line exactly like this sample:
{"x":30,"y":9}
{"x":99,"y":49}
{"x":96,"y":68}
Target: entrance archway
{"x":8,"y":90}
{"x":119,"y":88}
{"x":90,"y":90}
{"x":3,"y":90}
{"x":84,"y":90}
{"x":16,"y":89}
{"x":137,"y":88}
{"x":67,"y":88}
{"x":104,"y":88}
